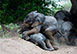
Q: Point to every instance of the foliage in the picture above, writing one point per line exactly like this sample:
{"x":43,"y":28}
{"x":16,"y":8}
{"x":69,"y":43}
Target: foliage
{"x":16,"y":10}
{"x":1,"y":31}
{"x":55,"y":7}
{"x":6,"y":30}
{"x":12,"y":26}
{"x":67,"y":6}
{"x":0,"y":27}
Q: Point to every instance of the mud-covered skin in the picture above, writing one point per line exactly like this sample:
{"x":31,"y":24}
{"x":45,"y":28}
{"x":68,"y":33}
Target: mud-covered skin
{"x":40,"y":39}
{"x":32,"y":20}
{"x":36,"y":23}
{"x":23,"y":28}
{"x":40,"y":21}
{"x":50,"y":22}
{"x":34,"y":17}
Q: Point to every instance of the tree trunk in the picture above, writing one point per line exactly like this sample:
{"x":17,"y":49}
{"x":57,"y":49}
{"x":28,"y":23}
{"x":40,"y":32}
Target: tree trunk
{"x":73,"y":11}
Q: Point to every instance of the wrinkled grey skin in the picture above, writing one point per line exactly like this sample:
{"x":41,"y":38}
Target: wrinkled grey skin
{"x":50,"y":22}
{"x":30,"y":19}
{"x":49,"y":28}
{"x":40,"y":39}
{"x":65,"y":28}
{"x":30,"y":16}
{"x":34,"y":16}
{"x":63,"y":15}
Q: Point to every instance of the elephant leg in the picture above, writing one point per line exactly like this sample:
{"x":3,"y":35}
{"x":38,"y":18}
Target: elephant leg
{"x":49,"y":45}
{"x":48,"y":34}
{"x":32,"y":31}
{"x":51,"y":38}
{"x":43,"y":45}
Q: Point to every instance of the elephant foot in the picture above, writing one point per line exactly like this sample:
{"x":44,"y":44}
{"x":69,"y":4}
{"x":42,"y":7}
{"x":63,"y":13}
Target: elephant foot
{"x":55,"y":47}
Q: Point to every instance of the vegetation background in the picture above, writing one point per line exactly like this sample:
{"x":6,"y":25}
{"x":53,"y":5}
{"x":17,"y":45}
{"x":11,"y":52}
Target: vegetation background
{"x":16,"y":10}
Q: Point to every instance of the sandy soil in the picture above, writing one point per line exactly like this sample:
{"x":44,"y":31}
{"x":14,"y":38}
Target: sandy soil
{"x":16,"y":45}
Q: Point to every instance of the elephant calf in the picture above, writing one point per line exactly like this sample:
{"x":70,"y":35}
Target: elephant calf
{"x":40,"y":39}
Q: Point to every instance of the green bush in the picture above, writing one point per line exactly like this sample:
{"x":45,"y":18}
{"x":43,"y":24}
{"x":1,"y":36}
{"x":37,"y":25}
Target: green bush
{"x":16,"y":10}
{"x":12,"y":26}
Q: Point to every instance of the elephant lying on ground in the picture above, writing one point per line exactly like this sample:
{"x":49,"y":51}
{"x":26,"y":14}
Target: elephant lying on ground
{"x":40,"y":39}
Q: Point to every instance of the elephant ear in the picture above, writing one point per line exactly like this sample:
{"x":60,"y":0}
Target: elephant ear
{"x":33,"y":14}
{"x":35,"y":11}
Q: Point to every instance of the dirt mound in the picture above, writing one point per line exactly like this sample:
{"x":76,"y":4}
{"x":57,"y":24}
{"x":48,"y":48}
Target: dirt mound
{"x":16,"y":45}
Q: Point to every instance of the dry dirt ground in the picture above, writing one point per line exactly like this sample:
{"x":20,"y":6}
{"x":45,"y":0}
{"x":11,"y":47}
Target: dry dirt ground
{"x":16,"y":45}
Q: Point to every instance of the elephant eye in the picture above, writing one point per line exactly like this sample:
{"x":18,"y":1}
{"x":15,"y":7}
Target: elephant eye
{"x":28,"y":21}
